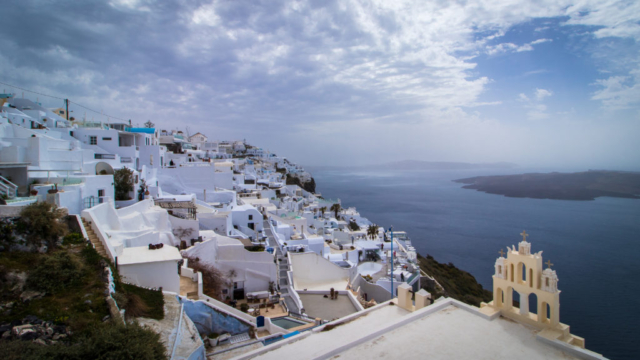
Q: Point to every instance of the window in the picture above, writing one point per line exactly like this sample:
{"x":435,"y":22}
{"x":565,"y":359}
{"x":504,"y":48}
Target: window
{"x":106,"y":138}
{"x":250,"y":217}
{"x":93,"y":140}
{"x":224,"y":291}
{"x":235,"y":285}
{"x":101,"y":193}
{"x":71,"y":133}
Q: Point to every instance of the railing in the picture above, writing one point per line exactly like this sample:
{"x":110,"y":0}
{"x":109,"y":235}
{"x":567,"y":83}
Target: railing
{"x":410,"y":279}
{"x":105,"y":156}
{"x":7,"y":188}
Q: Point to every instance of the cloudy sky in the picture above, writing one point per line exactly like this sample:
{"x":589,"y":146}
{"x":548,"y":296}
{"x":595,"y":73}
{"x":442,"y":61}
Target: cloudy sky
{"x":539,"y":83}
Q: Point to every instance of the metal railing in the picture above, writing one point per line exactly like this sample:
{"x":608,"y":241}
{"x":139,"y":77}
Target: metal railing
{"x":7,"y":188}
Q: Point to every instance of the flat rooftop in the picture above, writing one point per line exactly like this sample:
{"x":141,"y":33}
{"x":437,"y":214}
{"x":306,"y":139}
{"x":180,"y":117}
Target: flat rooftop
{"x":445,"y":330}
{"x":317,"y":306}
{"x":142,"y":254}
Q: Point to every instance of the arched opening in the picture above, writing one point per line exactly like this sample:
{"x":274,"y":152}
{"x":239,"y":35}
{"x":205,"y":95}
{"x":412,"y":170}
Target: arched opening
{"x":530,"y":278}
{"x":498,"y":297}
{"x":511,"y":272}
{"x":499,"y":269}
{"x":522,"y":273}
{"x":533,"y":305}
{"x":103,"y":168}
{"x":545,"y":313}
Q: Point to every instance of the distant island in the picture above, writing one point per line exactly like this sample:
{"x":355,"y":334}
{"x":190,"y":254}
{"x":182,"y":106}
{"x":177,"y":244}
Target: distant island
{"x":559,"y":186}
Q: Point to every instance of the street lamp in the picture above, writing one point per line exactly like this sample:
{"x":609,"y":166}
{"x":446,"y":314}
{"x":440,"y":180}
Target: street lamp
{"x":391,"y":231}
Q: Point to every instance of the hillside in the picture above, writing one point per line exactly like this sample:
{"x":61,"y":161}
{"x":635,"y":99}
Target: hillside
{"x":457,"y":284}
{"x":560,"y":186}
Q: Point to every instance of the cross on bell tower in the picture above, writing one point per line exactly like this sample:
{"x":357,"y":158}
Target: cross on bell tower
{"x":549,"y":264}
{"x":524,"y":247}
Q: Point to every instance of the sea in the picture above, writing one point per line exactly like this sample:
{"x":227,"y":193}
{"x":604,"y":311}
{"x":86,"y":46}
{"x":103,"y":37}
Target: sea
{"x":594,"y":245}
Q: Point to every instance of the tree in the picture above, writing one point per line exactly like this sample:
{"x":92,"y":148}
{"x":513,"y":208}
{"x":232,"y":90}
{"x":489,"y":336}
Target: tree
{"x":41,"y":223}
{"x":149,"y":124}
{"x":336,"y":209}
{"x":213,"y":280}
{"x":372,"y":231}
{"x":182,"y":233}
{"x":322,"y":210}
{"x":123,"y":182}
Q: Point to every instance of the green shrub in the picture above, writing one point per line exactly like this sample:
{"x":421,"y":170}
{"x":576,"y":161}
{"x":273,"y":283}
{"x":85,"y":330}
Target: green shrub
{"x":244,"y":307}
{"x":142,"y":302}
{"x":105,"y":341}
{"x":41,"y":223}
{"x":55,"y":273}
{"x":90,"y":255}
{"x":73,"y":239}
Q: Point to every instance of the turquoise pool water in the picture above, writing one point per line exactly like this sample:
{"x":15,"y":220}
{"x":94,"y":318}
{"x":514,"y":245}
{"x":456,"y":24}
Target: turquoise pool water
{"x":287,"y":322}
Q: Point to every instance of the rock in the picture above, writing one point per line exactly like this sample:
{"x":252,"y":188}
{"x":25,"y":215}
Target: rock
{"x":28,"y":334}
{"x":40,"y":341}
{"x":6,"y":335}
{"x":16,"y":323}
{"x":88,"y":302}
{"x":4,"y":328}
{"x":30,"y":319}
{"x":18,"y":330}
{"x":30,"y":295}
{"x":7,"y":305}
{"x":59,"y":329}
{"x":107,"y":317}
{"x":59,"y":336}
{"x":50,"y":331}
{"x":18,"y":278}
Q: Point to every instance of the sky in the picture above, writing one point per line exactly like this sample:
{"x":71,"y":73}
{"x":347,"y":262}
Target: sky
{"x":351,"y":82}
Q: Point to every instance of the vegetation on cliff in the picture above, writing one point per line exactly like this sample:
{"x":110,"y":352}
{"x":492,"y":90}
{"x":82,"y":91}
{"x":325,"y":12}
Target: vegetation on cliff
{"x":457,"y":284}
{"x":52,"y":297}
{"x":309,"y":186}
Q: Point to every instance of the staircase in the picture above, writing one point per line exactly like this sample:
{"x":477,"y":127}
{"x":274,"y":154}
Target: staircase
{"x":7,"y":188}
{"x":97,"y":244}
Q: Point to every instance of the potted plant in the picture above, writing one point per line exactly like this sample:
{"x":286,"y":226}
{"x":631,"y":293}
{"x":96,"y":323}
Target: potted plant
{"x":54,"y":190}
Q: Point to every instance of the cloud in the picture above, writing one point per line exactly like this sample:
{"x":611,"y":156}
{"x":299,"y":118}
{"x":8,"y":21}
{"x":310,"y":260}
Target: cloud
{"x":271,"y":68}
{"x":619,"y":92}
{"x":540,"y":41}
{"x":511,"y":47}
{"x":542,"y":93}
{"x":536,"y":110}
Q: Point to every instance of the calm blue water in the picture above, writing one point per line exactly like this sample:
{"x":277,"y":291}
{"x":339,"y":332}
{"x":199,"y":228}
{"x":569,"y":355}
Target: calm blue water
{"x":595,"y":245}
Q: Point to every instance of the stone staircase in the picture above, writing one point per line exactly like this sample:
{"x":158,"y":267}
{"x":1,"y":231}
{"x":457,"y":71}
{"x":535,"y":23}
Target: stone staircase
{"x":97,"y":244}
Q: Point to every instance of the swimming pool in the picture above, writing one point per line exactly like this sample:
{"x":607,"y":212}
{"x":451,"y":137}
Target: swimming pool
{"x":369,"y":268}
{"x":287,"y":322}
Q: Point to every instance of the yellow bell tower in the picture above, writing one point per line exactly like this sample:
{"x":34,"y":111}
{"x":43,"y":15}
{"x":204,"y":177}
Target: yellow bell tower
{"x":522,"y":271}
